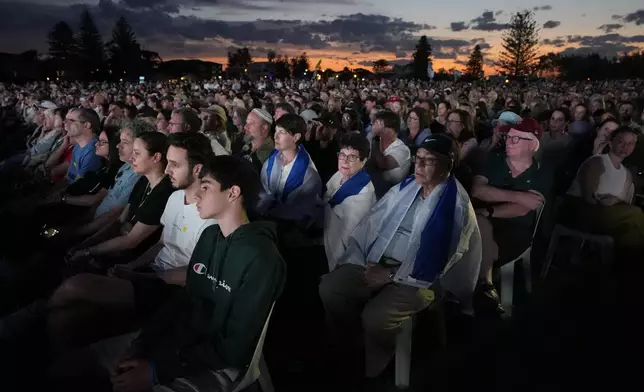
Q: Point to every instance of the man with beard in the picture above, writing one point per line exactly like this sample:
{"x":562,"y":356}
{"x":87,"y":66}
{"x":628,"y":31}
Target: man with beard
{"x":259,"y":142}
{"x":145,"y":283}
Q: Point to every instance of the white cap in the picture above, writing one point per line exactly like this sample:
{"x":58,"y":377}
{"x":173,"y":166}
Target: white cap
{"x":263,"y":114}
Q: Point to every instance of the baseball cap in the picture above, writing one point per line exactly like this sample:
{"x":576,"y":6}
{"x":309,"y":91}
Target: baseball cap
{"x":441,"y":144}
{"x":47,"y":105}
{"x":219,"y":111}
{"x":508,"y":117}
{"x":331,"y":120}
{"x":309,"y":115}
{"x":527,"y":125}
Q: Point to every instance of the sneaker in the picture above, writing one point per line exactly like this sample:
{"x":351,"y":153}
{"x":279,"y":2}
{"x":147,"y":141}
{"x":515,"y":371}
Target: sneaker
{"x":486,"y":300}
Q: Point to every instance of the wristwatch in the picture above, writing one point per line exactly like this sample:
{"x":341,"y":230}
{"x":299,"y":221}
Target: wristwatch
{"x":490,"y":211}
{"x":64,"y":199}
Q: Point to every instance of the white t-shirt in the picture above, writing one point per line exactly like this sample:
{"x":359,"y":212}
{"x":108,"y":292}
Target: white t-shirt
{"x":286,"y":170}
{"x":182,"y":228}
{"x":400,"y":152}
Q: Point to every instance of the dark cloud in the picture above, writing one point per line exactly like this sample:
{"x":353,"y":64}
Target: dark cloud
{"x":636,"y":17}
{"x":461,"y":62}
{"x":607,"y":45}
{"x":608,"y":28}
{"x":551,"y":24}
{"x":401,"y":55}
{"x":487,"y":22}
{"x":497,"y":13}
{"x":542,"y":8}
{"x":458,"y":26}
{"x":557,"y":42}
{"x":158,"y":27}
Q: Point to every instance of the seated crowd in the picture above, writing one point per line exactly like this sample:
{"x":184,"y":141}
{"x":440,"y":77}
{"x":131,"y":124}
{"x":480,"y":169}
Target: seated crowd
{"x":145,"y":233}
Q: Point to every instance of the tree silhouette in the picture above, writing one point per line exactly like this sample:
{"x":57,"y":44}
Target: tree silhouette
{"x":520,"y":42}
{"x":271,"y":55}
{"x":62,"y":46}
{"x":124,"y":50}
{"x":240,"y":59}
{"x":300,"y":65}
{"x":421,"y":58}
{"x":282,"y":67}
{"x":475,"y":64}
{"x":90,"y":45}
{"x":380,"y":65}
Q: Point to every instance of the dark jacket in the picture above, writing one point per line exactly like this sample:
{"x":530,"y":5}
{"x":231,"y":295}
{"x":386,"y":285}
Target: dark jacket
{"x":216,"y":321}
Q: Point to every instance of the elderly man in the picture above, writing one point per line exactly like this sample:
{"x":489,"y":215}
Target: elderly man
{"x":260,"y":145}
{"x":511,"y":189}
{"x":423,"y":231}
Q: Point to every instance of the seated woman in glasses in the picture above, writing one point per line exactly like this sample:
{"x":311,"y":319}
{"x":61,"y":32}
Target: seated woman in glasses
{"x":349,"y":196}
{"x":424,"y":229}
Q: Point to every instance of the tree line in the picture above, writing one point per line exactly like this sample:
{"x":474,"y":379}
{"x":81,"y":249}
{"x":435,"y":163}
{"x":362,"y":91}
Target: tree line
{"x":83,"y":54}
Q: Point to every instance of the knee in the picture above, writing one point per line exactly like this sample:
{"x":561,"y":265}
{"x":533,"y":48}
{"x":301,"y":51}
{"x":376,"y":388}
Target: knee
{"x":328,"y":289}
{"x":71,"y":289}
{"x":376,"y":320}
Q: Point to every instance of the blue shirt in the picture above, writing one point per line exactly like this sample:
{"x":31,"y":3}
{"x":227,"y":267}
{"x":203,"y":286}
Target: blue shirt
{"x":84,"y":159}
{"x":119,"y":192}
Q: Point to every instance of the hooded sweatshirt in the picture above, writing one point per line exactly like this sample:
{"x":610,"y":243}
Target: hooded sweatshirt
{"x":216,"y":321}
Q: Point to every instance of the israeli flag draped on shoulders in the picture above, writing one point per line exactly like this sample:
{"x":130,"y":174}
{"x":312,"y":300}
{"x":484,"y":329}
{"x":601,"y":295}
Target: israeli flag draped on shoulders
{"x":299,"y":198}
{"x":445,"y":243}
{"x":346,"y":205}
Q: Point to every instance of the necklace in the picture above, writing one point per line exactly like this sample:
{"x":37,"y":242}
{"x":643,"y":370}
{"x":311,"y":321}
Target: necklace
{"x":146,"y":193}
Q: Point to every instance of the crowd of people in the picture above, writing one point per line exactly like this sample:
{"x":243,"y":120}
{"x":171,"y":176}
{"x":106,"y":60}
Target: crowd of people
{"x":144,"y":225}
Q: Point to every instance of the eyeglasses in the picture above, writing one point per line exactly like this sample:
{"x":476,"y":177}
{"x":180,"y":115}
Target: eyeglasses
{"x":174,"y":123}
{"x":424,"y":162}
{"x":73,"y":120}
{"x":515,"y":139}
{"x":344,"y":157}
{"x":412,"y":118}
{"x":454,"y":121}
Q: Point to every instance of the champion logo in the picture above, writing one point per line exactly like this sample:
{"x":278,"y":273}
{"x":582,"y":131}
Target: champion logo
{"x":199,"y":268}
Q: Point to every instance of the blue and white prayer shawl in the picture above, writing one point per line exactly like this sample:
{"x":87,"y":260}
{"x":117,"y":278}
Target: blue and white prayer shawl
{"x":352,"y":187}
{"x":300,"y":196}
{"x":444,"y":245}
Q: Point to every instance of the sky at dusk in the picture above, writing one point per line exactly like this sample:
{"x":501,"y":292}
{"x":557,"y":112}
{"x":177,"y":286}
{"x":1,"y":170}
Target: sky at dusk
{"x":351,"y":33}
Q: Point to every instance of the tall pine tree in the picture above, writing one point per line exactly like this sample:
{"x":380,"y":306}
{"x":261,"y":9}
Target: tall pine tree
{"x":90,"y":46}
{"x":421,"y":58}
{"x":62,"y":48}
{"x":475,"y":64}
{"x":520,"y":42}
{"x":124,"y":50}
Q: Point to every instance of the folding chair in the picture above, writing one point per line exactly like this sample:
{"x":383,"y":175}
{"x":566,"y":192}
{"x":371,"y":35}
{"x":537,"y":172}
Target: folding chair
{"x":404,"y":342}
{"x":257,"y":370}
{"x":506,"y":273}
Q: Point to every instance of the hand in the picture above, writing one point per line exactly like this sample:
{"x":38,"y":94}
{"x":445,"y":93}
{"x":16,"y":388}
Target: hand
{"x":608,"y":200}
{"x":482,"y":212}
{"x":377,"y":276}
{"x":77,"y":256}
{"x":121,"y":271}
{"x":66,"y":141}
{"x":530,"y":199}
{"x":132,"y":375}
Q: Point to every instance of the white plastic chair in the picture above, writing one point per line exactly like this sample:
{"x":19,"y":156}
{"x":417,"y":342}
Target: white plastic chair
{"x":257,"y":370}
{"x":506,"y":273}
{"x":404,"y":342}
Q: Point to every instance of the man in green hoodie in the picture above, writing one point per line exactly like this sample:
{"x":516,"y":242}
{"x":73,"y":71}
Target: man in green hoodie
{"x":206,"y":335}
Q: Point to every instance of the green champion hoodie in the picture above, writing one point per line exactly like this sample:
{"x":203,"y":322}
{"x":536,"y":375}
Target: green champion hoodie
{"x":216,"y":321}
